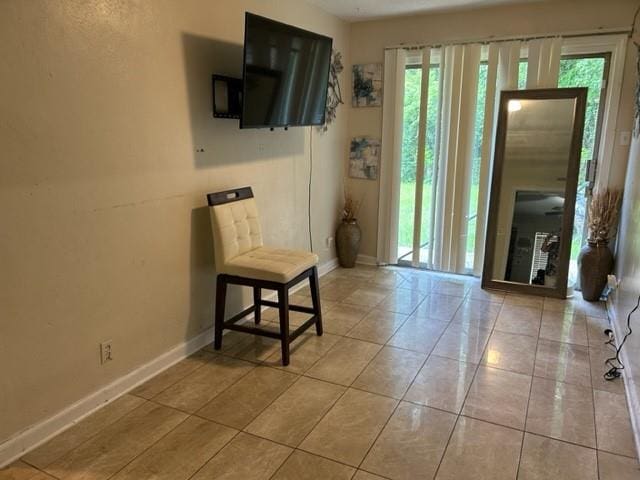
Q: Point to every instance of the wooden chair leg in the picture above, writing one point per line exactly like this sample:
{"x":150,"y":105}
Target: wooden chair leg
{"x":221,"y":297}
{"x":283,"y":301}
{"x":314,"y":285}
{"x":257,"y":296}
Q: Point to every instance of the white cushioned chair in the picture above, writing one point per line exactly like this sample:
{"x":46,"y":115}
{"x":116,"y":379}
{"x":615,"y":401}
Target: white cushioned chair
{"x":242,"y":259}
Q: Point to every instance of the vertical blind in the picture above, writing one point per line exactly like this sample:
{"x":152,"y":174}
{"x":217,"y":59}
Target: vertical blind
{"x":391,"y":156}
{"x":459,"y":67}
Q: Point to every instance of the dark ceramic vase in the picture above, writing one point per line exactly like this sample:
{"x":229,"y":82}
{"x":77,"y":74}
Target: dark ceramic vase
{"x":595,"y":262}
{"x":348,"y":238}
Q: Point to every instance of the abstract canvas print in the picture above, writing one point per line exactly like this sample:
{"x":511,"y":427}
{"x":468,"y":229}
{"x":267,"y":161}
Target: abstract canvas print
{"x":367,"y":85}
{"x":364,"y":158}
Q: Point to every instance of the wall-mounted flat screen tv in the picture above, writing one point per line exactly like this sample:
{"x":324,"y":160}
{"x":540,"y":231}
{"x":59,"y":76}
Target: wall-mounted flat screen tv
{"x":285,"y":75}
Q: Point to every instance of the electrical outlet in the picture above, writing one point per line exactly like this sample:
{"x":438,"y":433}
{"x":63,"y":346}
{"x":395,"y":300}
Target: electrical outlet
{"x":106,"y":352}
{"x":612,"y":282}
{"x":328,"y":242}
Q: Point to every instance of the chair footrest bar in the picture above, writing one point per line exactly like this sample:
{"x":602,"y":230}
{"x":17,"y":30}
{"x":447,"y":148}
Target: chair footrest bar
{"x":239,"y":316}
{"x":253,"y":330}
{"x":294,"y":308}
{"x":302,"y":328}
{"x":269,"y":303}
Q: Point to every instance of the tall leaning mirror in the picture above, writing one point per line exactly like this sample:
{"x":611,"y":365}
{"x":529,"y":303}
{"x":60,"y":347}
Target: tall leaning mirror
{"x":533,"y":190}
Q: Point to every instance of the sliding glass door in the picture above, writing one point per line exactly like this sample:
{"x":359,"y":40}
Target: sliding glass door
{"x":589,"y":71}
{"x":417,"y":222}
{"x":407,"y":226}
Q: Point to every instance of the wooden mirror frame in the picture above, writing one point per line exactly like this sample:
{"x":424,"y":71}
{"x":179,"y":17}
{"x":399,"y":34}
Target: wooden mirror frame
{"x":571,"y":188}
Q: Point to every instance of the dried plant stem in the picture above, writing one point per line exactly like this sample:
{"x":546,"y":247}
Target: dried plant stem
{"x":350,"y":209}
{"x":603,"y":215}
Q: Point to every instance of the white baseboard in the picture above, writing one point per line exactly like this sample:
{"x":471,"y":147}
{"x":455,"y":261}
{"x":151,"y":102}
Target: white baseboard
{"x":366,"y":260}
{"x":631,"y":386}
{"x":327,"y":266}
{"x":34,"y":436}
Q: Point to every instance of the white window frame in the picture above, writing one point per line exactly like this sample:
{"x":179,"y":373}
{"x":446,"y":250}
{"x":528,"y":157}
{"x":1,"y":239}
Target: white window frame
{"x":616,"y":46}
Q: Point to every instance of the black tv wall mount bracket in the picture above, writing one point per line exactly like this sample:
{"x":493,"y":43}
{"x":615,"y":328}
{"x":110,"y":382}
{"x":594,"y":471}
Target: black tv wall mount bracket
{"x":227,"y":96}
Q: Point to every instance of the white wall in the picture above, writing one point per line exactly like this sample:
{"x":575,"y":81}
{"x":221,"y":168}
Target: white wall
{"x":628,"y":272}
{"x":105,"y":234}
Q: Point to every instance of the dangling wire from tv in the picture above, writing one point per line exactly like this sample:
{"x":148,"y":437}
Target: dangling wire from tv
{"x":310,"y":178}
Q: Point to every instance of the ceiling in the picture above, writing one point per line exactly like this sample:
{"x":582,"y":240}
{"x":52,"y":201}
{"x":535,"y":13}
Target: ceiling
{"x":359,"y":10}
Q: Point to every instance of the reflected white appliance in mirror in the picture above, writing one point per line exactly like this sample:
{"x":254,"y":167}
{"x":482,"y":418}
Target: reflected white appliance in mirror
{"x":533,"y":190}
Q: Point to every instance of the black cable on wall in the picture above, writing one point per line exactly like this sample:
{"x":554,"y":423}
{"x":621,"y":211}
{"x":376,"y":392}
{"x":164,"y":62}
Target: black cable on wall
{"x":616,"y":368}
{"x":310,"y":178}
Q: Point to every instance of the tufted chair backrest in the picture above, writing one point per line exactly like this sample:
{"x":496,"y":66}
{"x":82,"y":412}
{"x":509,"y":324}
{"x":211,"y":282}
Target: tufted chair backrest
{"x":235,"y":224}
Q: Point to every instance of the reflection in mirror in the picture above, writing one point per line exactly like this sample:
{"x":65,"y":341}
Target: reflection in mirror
{"x":535,"y":238}
{"x":537,"y":155}
{"x":532,"y":179}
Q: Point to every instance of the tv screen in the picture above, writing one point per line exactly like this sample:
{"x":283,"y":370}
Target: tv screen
{"x":286,"y":70}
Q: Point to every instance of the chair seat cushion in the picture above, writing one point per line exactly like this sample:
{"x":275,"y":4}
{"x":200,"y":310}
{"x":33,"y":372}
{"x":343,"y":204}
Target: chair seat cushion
{"x":271,"y":264}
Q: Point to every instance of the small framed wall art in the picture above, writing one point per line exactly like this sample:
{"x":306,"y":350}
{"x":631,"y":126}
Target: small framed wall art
{"x":364,"y":158}
{"x":367,"y":85}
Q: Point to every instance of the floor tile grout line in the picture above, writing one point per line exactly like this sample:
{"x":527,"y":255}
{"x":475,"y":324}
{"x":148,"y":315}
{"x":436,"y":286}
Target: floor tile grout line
{"x":37,"y":470}
{"x":147,"y":448}
{"x":392,"y":413}
{"x":392,"y":334}
{"x":294,"y":449}
{"x":88,"y":439}
{"x":458,"y":415}
{"x":241,"y":377}
{"x":196,"y":415}
{"x":595,"y":421}
{"x":145,"y":400}
{"x":560,"y":440}
{"x":85,"y":440}
{"x":526,"y":415}
{"x":343,"y":393}
{"x":243,"y":430}
{"x":199,"y":415}
{"x":408,"y":388}
{"x":333,"y":404}
{"x":449,"y":322}
{"x":407,"y":315}
{"x":369,"y":312}
{"x":346,"y":390}
{"x":520,"y":430}
{"x":473,"y":377}
{"x":298,"y":449}
{"x":215,"y":454}
{"x":130,"y":392}
{"x":618,"y":454}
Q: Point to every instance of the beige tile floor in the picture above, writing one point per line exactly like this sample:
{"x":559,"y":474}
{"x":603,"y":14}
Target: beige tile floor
{"x":418,"y":376}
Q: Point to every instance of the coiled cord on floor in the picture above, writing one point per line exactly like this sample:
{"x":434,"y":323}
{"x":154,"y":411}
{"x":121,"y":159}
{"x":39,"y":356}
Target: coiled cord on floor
{"x":615,"y":364}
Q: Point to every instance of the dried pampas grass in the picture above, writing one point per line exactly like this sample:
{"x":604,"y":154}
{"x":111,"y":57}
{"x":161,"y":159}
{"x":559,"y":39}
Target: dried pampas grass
{"x":603,"y":215}
{"x":350,"y":209}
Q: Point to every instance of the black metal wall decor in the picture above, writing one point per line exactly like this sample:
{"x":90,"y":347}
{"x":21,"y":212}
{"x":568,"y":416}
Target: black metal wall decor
{"x":334,"y":94}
